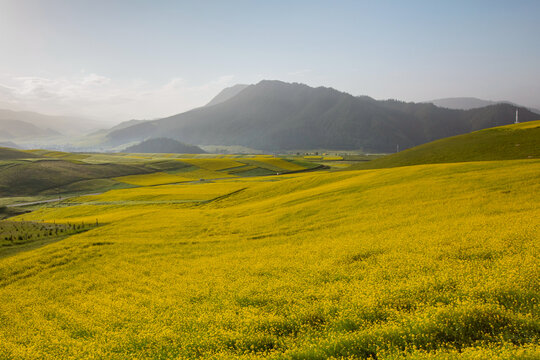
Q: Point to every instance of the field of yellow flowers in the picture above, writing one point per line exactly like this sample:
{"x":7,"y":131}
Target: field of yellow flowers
{"x":421,"y":262}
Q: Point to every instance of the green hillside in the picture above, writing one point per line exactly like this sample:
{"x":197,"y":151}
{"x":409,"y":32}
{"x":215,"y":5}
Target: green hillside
{"x":519,"y":141}
{"x":33,"y":177}
{"x":52,"y":173}
{"x":13,"y":154}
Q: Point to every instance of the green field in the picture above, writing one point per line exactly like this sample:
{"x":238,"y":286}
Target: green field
{"x":433,"y":261}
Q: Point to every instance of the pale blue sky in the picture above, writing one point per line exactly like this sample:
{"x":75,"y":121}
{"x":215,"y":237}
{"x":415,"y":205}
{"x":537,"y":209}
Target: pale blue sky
{"x":120,"y":59}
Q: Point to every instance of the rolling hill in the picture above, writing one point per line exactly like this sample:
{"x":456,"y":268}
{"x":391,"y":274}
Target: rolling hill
{"x":418,"y":262}
{"x":13,"y":154}
{"x":35,"y":177}
{"x":510,"y":142}
{"x":164,"y":145}
{"x":47,"y":173}
{"x":277,"y":116}
{"x":434,"y":261}
{"x":35,"y":174}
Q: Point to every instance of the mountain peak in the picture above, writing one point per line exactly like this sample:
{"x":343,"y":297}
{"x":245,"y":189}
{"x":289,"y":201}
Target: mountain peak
{"x":274,"y":115}
{"x":226,"y":94}
{"x":164,"y":145}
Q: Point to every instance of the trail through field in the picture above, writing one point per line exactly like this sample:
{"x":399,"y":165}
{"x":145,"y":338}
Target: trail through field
{"x":50,"y":200}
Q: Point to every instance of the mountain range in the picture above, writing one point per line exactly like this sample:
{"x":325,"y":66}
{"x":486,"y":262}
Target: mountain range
{"x":278,"y":116}
{"x":467,"y":103}
{"x":27,"y":126}
{"x":16,"y":129}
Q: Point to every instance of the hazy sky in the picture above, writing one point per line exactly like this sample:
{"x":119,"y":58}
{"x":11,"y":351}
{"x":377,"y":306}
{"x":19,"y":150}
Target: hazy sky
{"x":122,"y":59}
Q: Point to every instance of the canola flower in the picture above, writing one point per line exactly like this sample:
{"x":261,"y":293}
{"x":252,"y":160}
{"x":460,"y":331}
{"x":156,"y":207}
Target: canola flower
{"x":279,"y":163}
{"x":213,"y":164}
{"x":332,"y":158}
{"x":157,"y":178}
{"x":420,"y":262}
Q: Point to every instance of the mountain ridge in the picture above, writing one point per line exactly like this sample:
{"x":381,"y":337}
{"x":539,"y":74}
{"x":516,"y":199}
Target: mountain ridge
{"x":276,"y":116}
{"x":66,"y":125}
{"x":18,"y":129}
{"x":468,"y":103}
{"x":227,"y":94}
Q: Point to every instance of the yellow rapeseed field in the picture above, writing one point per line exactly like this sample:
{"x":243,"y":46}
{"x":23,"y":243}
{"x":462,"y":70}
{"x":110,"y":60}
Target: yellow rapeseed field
{"x":332,"y":158}
{"x":157,"y":178}
{"x":420,"y":262}
{"x":160,"y":178}
{"x":279,"y":163}
{"x":213,"y":164}
{"x":163,"y":193}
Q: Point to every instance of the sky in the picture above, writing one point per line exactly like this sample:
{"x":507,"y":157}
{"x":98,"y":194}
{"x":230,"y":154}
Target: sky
{"x":116,"y":60}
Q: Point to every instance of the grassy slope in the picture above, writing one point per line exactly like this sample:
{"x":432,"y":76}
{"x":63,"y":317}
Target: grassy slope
{"x":33,"y":177}
{"x":509,"y":142}
{"x":439,"y":258}
{"x":53,"y":172}
{"x":13,"y":154}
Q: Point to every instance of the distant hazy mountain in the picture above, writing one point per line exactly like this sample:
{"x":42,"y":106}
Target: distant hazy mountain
{"x":274,"y":116}
{"x":462,"y":103}
{"x":128,"y":123}
{"x":13,"y":129}
{"x":227,"y":94}
{"x":122,"y":125}
{"x":467,"y":103}
{"x":9,"y":144}
{"x":64,"y":125}
{"x":164,"y":145}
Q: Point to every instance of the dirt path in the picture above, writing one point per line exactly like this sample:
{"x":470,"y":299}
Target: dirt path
{"x":50,"y":200}
{"x":195,"y":181}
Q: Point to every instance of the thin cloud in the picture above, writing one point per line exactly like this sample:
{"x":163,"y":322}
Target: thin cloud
{"x":300,"y":72}
{"x":98,"y":96}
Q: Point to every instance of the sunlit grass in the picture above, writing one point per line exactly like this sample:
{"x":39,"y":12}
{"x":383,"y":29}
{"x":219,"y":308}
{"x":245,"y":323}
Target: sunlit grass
{"x":281,"y":163}
{"x":157,"y":178}
{"x":201,"y":191}
{"x":214,"y":164}
{"x":160,"y":178}
{"x":332,"y":158}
